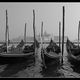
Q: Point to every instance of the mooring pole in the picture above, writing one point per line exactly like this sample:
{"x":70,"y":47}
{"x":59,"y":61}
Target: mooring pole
{"x":25,"y":34}
{"x":42,"y":35}
{"x":8,"y":37}
{"x":6,"y":33}
{"x":34,"y":34}
{"x":63,"y":34}
{"x":6,"y":28}
{"x":78,"y":33}
{"x":43,"y":60}
{"x":59,"y":34}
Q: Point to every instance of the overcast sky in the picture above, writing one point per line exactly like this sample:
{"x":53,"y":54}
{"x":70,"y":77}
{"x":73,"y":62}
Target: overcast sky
{"x":48,"y":12}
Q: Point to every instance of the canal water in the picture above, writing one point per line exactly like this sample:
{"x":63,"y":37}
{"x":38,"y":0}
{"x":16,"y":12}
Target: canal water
{"x":29,"y":69}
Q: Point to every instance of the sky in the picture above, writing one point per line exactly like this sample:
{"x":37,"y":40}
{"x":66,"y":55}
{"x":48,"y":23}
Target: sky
{"x":50,"y":13}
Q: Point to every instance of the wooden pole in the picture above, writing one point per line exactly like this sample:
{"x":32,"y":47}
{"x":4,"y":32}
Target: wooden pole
{"x":42,"y":31}
{"x":43,"y":60}
{"x":34,"y":34}
{"x":59,"y":33}
{"x":6,"y":28}
{"x":63,"y":33}
{"x":25,"y":34}
{"x":78,"y":33}
{"x":6,"y":33}
{"x":8,"y":37}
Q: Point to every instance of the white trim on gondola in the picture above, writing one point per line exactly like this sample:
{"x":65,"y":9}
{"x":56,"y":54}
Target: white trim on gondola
{"x":52,"y":55}
{"x":15,"y":55}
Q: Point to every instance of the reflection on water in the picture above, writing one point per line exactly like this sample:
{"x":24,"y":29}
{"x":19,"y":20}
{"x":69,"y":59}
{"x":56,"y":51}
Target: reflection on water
{"x":27,"y":69}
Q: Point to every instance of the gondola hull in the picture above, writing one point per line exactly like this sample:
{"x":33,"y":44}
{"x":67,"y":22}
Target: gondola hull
{"x":17,"y":54}
{"x":51,"y":59}
{"x":74,"y":60}
{"x":6,"y":58}
{"x":51,"y":54}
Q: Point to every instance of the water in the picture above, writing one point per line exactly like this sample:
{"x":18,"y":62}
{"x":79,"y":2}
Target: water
{"x":28,"y":69}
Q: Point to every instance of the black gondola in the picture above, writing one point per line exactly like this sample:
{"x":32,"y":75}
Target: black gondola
{"x":73,"y":53}
{"x":31,"y":48}
{"x":17,"y":54}
{"x":51,"y":54}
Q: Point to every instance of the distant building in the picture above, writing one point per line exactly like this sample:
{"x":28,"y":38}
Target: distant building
{"x":56,"y":38}
{"x":18,"y":39}
{"x":46,"y":36}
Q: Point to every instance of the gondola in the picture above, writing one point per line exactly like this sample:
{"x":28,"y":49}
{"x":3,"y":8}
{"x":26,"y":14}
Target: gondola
{"x":51,"y":54}
{"x":13,"y":54}
{"x":31,"y":48}
{"x":18,"y":54}
{"x":3,"y":47}
{"x":73,"y":53}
